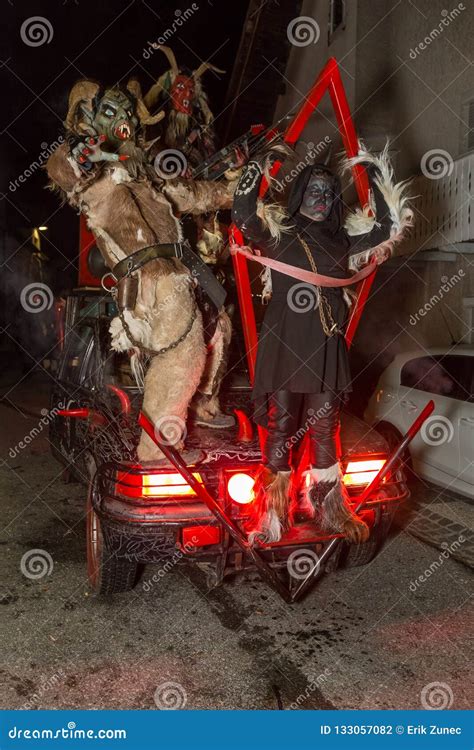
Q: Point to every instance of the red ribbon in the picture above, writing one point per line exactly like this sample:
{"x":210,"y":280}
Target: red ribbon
{"x":301,"y":274}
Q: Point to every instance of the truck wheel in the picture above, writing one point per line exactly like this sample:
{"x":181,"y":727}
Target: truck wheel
{"x":107,"y":573}
{"x":354,"y":555}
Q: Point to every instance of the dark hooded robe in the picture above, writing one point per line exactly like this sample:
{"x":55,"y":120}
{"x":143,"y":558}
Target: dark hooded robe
{"x":294,"y":353}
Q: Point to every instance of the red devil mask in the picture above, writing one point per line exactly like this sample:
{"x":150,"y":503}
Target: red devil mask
{"x":182,"y":94}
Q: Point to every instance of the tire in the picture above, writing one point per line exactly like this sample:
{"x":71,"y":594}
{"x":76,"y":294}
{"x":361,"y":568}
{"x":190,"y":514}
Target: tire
{"x":107,"y":573}
{"x":355,"y":555}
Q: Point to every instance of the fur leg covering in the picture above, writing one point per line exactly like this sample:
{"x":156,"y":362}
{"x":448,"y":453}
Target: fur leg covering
{"x":170,"y":383}
{"x":324,"y":488}
{"x":271,"y":506}
{"x":206,"y":404}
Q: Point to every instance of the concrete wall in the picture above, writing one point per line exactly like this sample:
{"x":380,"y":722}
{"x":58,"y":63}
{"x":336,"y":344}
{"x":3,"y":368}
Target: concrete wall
{"x":412,"y":94}
{"x":407,"y":79}
{"x":305,"y":63}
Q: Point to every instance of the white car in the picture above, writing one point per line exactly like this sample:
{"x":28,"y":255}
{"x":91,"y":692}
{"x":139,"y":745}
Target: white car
{"x":443,"y":450}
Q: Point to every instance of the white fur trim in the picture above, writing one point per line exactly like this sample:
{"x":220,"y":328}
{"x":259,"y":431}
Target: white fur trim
{"x":120,"y":175}
{"x":359,"y":221}
{"x":139,"y":328}
{"x":331,"y":474}
{"x":75,"y":166}
{"x":395,"y":195}
{"x":269,"y":529}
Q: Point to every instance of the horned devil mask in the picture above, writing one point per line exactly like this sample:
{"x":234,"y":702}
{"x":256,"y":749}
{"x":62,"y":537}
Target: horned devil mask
{"x":113,"y":113}
{"x":181,"y":90}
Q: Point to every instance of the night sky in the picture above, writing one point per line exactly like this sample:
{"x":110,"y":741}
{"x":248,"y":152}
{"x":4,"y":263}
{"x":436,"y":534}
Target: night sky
{"x":103,"y":41}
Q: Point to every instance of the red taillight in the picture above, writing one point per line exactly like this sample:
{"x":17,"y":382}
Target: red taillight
{"x":154,"y":485}
{"x":361,"y":472}
{"x":240,"y":488}
{"x":200,"y":536}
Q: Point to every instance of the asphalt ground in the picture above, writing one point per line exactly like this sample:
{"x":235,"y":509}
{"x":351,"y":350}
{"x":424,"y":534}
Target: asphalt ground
{"x":394,"y":634}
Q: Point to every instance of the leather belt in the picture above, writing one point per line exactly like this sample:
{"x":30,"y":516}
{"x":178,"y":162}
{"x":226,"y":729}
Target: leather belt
{"x":181,"y":250}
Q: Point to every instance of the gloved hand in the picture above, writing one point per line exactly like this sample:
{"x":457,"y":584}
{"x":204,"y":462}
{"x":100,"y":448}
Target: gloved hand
{"x":88,"y":152}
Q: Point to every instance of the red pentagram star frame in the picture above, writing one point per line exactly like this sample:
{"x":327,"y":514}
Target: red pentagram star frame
{"x":328,"y":80}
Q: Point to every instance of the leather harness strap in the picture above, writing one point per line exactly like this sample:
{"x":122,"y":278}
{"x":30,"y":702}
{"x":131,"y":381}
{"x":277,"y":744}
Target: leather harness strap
{"x":183,"y":252}
{"x":141,"y":257}
{"x":134,"y":262}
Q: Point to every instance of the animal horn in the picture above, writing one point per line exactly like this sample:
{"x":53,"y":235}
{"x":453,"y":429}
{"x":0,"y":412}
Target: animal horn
{"x":203,"y":67}
{"x":83,"y":92}
{"x":153,"y":94}
{"x":142,"y":110}
{"x":169,"y":54}
{"x":245,"y":431}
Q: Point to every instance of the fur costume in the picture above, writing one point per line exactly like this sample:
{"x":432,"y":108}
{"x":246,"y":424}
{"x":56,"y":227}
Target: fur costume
{"x":127,"y":209}
{"x":188,"y":127}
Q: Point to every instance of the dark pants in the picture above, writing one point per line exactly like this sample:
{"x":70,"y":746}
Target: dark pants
{"x":290,"y":415}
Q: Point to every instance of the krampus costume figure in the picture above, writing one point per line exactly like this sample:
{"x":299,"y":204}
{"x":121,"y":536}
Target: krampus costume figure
{"x":189,"y":121}
{"x":188,"y":127}
{"x":104,"y":173}
{"x":302,"y":370}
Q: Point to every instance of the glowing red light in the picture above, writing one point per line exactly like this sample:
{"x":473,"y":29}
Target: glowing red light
{"x":240,"y":488}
